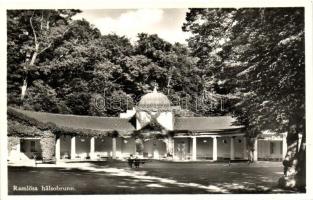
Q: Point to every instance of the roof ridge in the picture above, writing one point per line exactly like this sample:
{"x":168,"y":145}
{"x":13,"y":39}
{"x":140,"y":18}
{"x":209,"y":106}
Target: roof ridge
{"x":206,"y":117}
{"x":56,"y":114}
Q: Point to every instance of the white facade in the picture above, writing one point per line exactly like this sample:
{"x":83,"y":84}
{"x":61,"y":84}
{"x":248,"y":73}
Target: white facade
{"x":154,"y":109}
{"x":183,"y":148}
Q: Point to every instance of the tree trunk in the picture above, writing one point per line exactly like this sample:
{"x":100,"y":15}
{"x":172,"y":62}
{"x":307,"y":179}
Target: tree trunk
{"x":169,"y":81}
{"x":301,"y":168}
{"x":250,"y":147}
{"x":31,"y":63}
{"x":251,"y":156}
{"x":294,"y":162}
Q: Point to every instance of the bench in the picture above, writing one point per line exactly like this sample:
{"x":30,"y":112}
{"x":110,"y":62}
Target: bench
{"x":136,"y":162}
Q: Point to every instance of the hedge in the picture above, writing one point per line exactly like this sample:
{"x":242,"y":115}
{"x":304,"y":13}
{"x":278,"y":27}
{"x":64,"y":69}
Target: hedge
{"x":21,"y":125}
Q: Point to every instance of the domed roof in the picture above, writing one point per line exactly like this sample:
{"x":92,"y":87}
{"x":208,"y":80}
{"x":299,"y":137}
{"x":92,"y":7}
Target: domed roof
{"x":154,"y":100}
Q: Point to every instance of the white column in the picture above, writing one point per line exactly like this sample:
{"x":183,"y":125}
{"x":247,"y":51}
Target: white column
{"x":284,"y":146}
{"x":232,"y":149}
{"x":18,"y":146}
{"x":255,"y":153}
{"x":113,"y":147}
{"x":57,"y":148}
{"x":244,"y":140}
{"x":173,"y":146}
{"x":92,"y":148}
{"x":214,"y":148}
{"x":194,"y":148}
{"x":73,"y":147}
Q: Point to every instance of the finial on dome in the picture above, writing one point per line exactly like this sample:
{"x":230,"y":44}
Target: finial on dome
{"x":155,"y":86}
{"x":155,"y":89}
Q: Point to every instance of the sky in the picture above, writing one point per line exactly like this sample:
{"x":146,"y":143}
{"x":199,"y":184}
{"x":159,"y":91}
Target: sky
{"x":166,"y":23}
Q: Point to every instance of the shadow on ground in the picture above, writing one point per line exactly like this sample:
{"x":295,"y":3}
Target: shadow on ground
{"x":156,"y":177}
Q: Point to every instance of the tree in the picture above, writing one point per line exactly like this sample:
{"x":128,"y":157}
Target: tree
{"x":74,"y":64}
{"x":260,"y":55}
{"x":211,"y":30}
{"x":174,"y":69}
{"x":32,"y":33}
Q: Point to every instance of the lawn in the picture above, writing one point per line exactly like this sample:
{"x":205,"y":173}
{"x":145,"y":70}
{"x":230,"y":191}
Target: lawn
{"x":156,"y":177}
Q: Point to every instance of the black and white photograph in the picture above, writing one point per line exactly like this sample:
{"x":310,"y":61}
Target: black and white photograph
{"x":124,"y":101}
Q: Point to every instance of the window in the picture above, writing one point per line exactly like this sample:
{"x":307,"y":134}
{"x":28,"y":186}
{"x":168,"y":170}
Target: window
{"x":32,"y":146}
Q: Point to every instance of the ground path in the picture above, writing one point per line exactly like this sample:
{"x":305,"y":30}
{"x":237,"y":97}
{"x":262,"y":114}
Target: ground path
{"x":156,"y":177}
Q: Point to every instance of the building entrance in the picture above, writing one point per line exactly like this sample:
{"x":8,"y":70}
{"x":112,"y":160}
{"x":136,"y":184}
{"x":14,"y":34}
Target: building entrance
{"x":181,"y":151}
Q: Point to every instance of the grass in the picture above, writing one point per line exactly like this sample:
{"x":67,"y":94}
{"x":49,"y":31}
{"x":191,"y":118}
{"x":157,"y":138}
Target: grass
{"x":156,"y":177}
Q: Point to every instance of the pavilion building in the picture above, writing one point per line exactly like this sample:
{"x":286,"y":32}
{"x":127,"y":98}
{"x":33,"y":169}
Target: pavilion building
{"x":151,"y":130}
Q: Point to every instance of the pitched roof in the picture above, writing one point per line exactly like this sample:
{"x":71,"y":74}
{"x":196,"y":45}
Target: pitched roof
{"x":79,"y":121}
{"x":189,"y":124}
{"x":210,"y":124}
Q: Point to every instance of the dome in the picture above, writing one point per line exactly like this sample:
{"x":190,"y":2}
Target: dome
{"x":154,"y":100}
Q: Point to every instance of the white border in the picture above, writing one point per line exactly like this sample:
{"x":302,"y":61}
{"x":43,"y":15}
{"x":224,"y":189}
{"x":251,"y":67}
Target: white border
{"x":101,"y":4}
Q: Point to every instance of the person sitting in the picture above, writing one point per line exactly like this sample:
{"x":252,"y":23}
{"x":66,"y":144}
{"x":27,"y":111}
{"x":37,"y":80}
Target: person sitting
{"x":137,"y":162}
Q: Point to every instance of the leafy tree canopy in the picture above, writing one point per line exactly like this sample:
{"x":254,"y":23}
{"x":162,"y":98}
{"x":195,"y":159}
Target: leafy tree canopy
{"x":256,"y":58}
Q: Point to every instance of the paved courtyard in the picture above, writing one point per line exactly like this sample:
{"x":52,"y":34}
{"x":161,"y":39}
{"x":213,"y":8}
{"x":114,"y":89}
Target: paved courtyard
{"x":156,"y":177}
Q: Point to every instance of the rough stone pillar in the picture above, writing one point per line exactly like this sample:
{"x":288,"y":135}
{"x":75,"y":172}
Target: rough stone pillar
{"x":232,"y":149}
{"x":214,"y":157}
{"x":73,"y":147}
{"x":92,"y":148}
{"x":57,"y":148}
{"x":169,"y":145}
{"x":114,"y":147}
{"x":139,"y":146}
{"x":194,"y":148}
